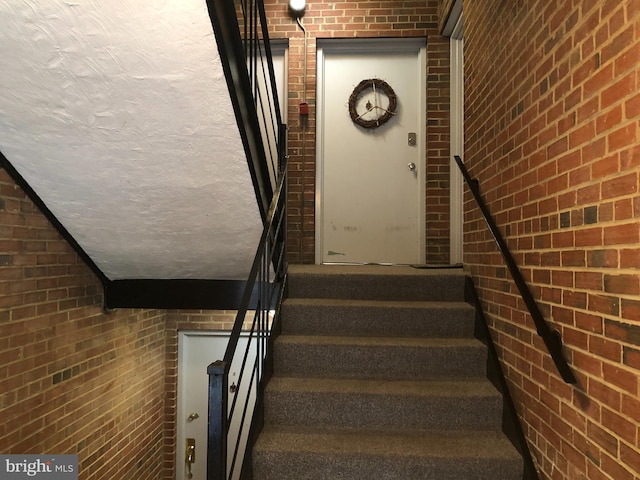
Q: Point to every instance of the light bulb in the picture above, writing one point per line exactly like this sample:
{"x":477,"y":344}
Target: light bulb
{"x":297,"y":5}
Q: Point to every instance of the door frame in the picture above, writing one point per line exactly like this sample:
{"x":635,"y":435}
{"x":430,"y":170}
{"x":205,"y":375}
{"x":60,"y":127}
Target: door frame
{"x":181,"y":411}
{"x":243,"y":391}
{"x":370,"y":45}
{"x":454,"y":29}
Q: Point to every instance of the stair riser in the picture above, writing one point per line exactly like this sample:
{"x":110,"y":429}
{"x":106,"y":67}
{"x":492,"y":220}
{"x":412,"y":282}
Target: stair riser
{"x":436,"y":322}
{"x":311,"y":466}
{"x":349,"y":361}
{"x":380,"y":413}
{"x":370,"y":287}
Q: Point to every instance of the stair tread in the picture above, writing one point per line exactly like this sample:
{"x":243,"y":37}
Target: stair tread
{"x":440,"y":443}
{"x":420,"y":342}
{"x":357,"y":317}
{"x":375,"y":282}
{"x":355,"y":302}
{"x":471,"y":387}
{"x":377,"y":270}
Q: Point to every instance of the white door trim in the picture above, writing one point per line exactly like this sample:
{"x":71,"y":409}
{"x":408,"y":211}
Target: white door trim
{"x":185,"y":394}
{"x":385,"y":45}
{"x":181,"y":393}
{"x":456,"y":183}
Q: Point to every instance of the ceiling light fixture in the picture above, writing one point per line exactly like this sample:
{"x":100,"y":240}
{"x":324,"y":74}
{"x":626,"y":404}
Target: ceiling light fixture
{"x":296,"y":7}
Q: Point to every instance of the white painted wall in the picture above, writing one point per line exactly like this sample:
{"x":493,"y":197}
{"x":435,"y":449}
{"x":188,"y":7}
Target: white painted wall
{"x":117,"y":113}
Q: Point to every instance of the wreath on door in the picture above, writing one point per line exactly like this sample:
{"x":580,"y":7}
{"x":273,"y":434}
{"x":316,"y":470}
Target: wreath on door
{"x":375,"y":114}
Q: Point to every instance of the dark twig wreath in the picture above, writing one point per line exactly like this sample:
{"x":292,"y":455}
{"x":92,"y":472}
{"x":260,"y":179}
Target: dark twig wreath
{"x":374,"y":84}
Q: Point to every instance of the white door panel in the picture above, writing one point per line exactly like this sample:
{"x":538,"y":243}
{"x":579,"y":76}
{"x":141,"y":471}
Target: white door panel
{"x":371,"y":202}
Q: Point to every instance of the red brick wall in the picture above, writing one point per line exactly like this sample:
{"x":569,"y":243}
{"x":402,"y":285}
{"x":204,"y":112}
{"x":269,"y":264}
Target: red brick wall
{"x":365,"y":18}
{"x":552,"y":118}
{"x":72,"y":379}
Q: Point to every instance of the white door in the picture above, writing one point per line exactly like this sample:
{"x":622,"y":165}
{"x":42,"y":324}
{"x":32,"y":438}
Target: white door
{"x":371,"y":182}
{"x":196,"y":350}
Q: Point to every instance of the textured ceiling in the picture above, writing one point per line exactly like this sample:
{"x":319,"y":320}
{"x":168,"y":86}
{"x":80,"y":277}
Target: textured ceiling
{"x":118,"y":115}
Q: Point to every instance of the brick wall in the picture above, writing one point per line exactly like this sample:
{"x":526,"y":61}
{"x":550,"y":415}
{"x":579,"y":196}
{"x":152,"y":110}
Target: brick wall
{"x":72,"y":379}
{"x":552,"y":122}
{"x":365,"y":18}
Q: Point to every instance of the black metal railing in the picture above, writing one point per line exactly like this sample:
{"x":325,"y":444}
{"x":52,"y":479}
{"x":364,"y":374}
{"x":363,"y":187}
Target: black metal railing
{"x":258,"y":57}
{"x":551,"y":338}
{"x":235,"y":409}
{"x":236,"y":382}
{"x":240,"y":28}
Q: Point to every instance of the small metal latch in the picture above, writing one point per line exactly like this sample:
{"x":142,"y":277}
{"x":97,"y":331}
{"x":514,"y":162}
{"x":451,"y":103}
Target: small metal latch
{"x":192,"y":417}
{"x":412,"y":139}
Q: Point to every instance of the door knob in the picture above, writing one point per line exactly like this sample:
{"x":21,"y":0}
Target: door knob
{"x":412,"y":166}
{"x":192,"y":417}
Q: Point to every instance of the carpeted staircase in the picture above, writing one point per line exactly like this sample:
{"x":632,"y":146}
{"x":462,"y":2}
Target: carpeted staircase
{"x":377,"y":375}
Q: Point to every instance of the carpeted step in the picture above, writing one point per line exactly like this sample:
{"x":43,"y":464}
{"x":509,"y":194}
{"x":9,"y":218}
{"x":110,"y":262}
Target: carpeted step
{"x":294,"y":453}
{"x":376,"y":282}
{"x":383,"y":405}
{"x":379,"y":357}
{"x":320,"y":316}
